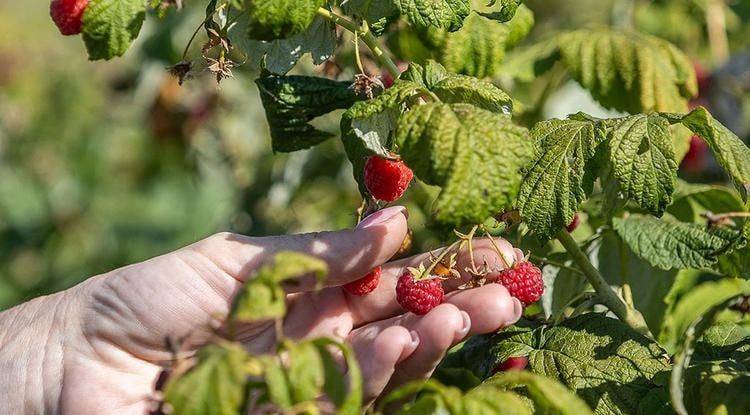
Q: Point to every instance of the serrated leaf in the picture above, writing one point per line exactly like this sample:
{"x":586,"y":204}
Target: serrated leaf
{"x":214,"y":386}
{"x":262,"y":296}
{"x":641,"y":153}
{"x":367,"y":126}
{"x":553,"y":186}
{"x":479,"y":47}
{"x":377,"y":13}
{"x":473,"y":154}
{"x":291,"y":102}
{"x":279,"y":56}
{"x":442,"y":14}
{"x":280,"y":19}
{"x":605,"y":362}
{"x":454,"y":88}
{"x":549,"y":396}
{"x":629,"y":71}
{"x":692,"y":316}
{"x":667,"y":244}
{"x":110,"y":26}
{"x":730,"y":152}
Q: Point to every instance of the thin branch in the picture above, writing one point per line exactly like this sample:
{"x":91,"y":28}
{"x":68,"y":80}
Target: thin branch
{"x":368,"y":38}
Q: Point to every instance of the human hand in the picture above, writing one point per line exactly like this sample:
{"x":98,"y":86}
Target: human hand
{"x":99,"y":347}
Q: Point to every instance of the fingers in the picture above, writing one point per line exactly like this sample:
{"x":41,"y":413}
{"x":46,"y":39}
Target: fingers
{"x":381,"y":303}
{"x":479,"y":310}
{"x":350,"y":254}
{"x":378,"y":352}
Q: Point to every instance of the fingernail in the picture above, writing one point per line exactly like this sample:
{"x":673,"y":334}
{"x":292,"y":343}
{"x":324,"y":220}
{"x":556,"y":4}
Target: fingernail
{"x":411,"y":347}
{"x":517,"y":311}
{"x":381,"y":217}
{"x":467,"y":324}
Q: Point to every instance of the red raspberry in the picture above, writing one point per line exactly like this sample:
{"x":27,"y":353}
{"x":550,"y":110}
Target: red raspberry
{"x":67,"y":15}
{"x":419,"y":296}
{"x":573,"y":225}
{"x":387,"y":179}
{"x":513,"y":363}
{"x":523,"y":281}
{"x":364,"y":285}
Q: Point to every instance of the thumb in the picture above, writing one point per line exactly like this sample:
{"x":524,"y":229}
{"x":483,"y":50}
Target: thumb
{"x":350,"y":254}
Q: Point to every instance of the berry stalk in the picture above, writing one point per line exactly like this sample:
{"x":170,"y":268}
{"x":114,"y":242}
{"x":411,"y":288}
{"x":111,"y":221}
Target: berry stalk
{"x":607,"y":295}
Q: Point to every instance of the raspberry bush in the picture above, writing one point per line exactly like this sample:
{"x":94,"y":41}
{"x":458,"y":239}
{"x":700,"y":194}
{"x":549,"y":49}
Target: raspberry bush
{"x":641,"y":312}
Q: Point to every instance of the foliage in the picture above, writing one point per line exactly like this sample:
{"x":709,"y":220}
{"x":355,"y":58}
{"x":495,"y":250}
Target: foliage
{"x":665,"y":259}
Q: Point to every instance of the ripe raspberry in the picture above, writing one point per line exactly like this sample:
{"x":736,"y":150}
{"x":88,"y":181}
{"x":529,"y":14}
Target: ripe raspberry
{"x":513,"y":363}
{"x":387,"y":179}
{"x":523,"y":281}
{"x":573,"y":225}
{"x":364,"y":285}
{"x":67,"y":15}
{"x":419,"y":296}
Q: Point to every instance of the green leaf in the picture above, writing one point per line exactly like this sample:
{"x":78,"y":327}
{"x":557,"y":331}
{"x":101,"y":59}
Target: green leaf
{"x":291,"y":102}
{"x":377,"y":13}
{"x":367,"y":126}
{"x":641,"y":152}
{"x":443,"y":14}
{"x":605,"y":362}
{"x":549,"y":396}
{"x":280,"y":19}
{"x":110,"y":26}
{"x":730,"y":152}
{"x":691,"y":201}
{"x":667,"y":244}
{"x":500,"y":10}
{"x":279,"y":56}
{"x":453,"y":89}
{"x":553,"y":186}
{"x":697,"y":303}
{"x":214,"y":386}
{"x":561,"y":286}
{"x":304,"y":370}
{"x":649,"y":286}
{"x":479,"y":47}
{"x":692,"y":316}
{"x":473,"y":154}
{"x":629,"y":71}
{"x":492,"y":400}
{"x":262,"y":297}
{"x":346,"y":394}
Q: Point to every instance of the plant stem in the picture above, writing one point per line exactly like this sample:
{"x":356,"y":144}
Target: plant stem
{"x":607,"y":295}
{"x":363,"y":31}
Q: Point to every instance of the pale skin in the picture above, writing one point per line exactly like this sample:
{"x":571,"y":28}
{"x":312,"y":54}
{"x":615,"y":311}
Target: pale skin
{"x":98,"y":347}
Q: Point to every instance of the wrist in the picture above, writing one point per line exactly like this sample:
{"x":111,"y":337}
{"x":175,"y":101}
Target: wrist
{"x":33,"y":340}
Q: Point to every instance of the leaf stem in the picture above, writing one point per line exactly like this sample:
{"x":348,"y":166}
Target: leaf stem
{"x":363,"y":31}
{"x":606,"y":294}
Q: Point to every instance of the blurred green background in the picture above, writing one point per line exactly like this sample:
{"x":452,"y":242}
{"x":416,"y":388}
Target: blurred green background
{"x":106,"y":164}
